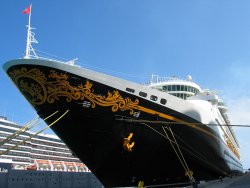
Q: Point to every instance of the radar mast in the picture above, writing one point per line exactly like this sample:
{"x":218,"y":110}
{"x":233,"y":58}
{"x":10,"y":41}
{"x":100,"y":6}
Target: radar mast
{"x":30,"y":52}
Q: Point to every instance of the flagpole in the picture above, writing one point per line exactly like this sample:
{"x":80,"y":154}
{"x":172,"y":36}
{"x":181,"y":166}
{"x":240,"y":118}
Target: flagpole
{"x":27,"y":52}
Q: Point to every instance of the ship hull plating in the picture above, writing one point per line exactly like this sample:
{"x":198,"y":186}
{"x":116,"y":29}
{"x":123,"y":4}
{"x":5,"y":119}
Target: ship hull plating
{"x":100,"y":120}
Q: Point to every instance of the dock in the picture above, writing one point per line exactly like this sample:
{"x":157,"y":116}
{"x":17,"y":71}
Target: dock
{"x":234,"y":182}
{"x":48,"y":179}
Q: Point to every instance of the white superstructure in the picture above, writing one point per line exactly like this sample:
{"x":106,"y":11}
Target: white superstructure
{"x":175,"y":86}
{"x":205,"y":100}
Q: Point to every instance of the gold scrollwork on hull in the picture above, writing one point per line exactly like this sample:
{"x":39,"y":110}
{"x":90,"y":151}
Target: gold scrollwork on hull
{"x":31,"y":83}
{"x":39,"y":88}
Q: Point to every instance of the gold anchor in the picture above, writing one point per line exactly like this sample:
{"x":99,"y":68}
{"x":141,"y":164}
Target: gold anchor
{"x":127,"y":144}
{"x":141,"y":184}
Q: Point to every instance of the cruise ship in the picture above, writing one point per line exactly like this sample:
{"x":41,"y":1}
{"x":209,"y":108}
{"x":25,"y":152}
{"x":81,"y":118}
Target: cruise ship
{"x":44,"y":152}
{"x":129,"y":134}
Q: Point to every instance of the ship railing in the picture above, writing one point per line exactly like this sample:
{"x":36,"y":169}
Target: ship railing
{"x":155,"y":79}
{"x":70,"y":62}
{"x":234,"y":136}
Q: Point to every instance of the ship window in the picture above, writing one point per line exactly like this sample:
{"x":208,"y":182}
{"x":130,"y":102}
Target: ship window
{"x":142,"y":94}
{"x":153,"y":98}
{"x":178,"y":87}
{"x":163,"y":101}
{"x":169,"y":88}
{"x":130,"y":90}
{"x":174,"y":88}
{"x":182,"y":87}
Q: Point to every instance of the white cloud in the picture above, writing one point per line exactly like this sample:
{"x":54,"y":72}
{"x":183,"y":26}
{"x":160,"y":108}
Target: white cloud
{"x":236,"y":91}
{"x":239,"y":110}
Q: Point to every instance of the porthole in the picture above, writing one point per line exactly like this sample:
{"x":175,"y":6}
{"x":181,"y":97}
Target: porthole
{"x":153,"y":98}
{"x":130,"y":90}
{"x":142,"y":94}
{"x":163,"y":101}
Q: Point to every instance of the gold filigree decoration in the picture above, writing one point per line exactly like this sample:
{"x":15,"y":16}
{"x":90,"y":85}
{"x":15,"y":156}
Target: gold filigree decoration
{"x":39,"y":89}
{"x":31,"y":83}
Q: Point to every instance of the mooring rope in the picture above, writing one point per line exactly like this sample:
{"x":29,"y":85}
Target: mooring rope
{"x":184,"y":166}
{"x":33,"y":123}
{"x":177,"y":123}
{"x":202,"y":158}
{"x":181,"y":158}
{"x":27,"y":139}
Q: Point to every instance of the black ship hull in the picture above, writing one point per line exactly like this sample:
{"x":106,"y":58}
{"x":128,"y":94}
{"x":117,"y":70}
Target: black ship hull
{"x":99,"y":123}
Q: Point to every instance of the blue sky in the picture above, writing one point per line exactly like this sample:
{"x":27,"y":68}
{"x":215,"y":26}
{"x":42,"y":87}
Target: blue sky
{"x":133,"y":39}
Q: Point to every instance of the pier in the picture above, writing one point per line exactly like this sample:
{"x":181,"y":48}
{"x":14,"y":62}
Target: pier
{"x":234,"y":182}
{"x":48,"y":179}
